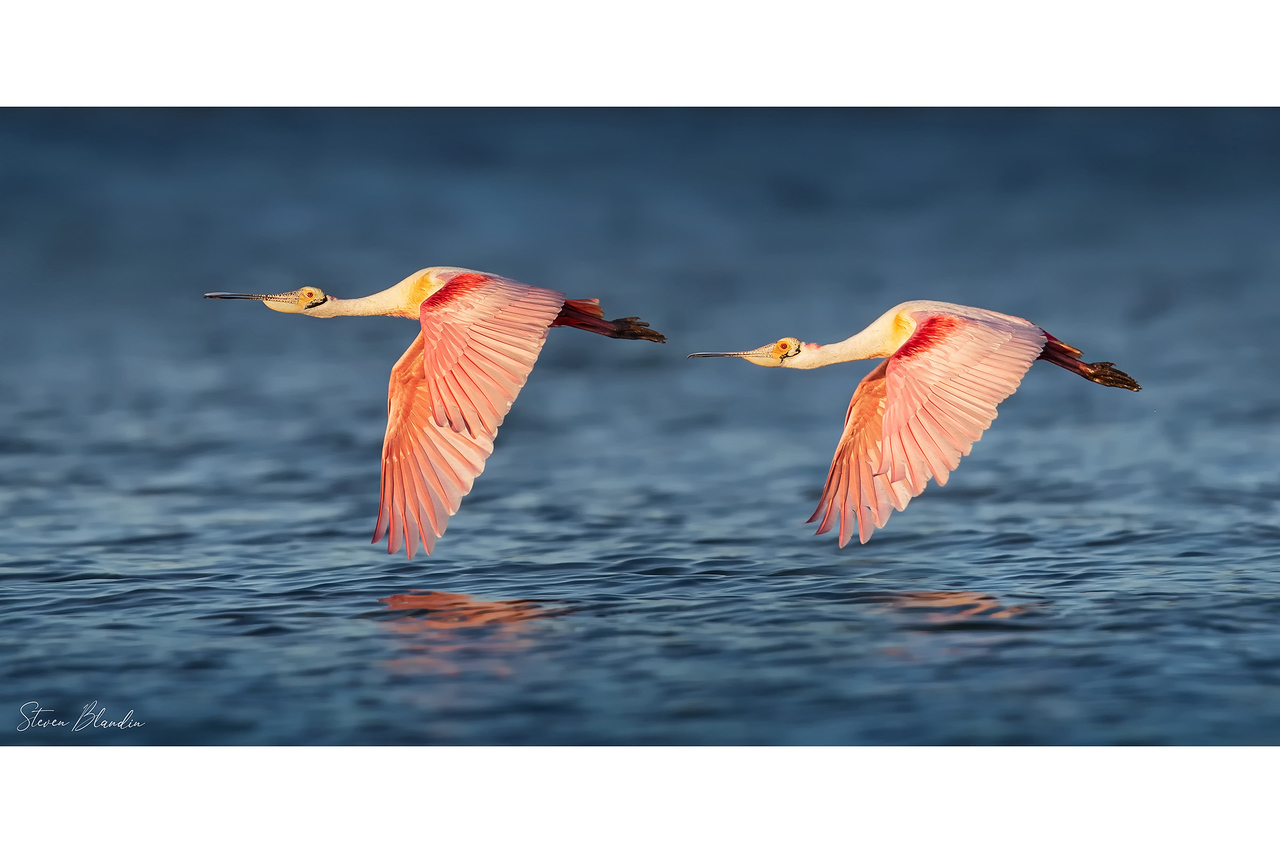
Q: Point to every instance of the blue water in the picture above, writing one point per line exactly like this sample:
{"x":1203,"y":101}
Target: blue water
{"x":188,"y":487}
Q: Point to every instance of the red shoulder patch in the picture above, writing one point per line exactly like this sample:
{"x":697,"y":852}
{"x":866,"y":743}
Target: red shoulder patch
{"x":459,"y":286}
{"x":927,"y":334}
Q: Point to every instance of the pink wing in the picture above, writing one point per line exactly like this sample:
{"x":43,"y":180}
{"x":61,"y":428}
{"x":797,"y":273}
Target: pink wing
{"x":919,"y":411}
{"x":449,"y":393}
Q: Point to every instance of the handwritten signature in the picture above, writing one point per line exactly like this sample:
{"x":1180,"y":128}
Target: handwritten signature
{"x":91,"y":717}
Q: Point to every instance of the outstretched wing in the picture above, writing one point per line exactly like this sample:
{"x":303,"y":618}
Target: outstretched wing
{"x":448,"y":394}
{"x":919,"y":411}
{"x":853,"y":489}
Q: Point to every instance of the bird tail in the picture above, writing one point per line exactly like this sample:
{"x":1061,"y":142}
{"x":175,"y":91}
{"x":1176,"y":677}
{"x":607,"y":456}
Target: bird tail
{"x":586,"y":314}
{"x":1102,"y":372}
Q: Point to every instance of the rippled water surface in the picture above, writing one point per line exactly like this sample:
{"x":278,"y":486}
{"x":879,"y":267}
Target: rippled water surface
{"x":188,"y":488}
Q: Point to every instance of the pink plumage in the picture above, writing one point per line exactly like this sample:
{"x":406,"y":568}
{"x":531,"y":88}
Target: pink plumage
{"x":450,"y":391}
{"x":920,"y":410}
{"x":445,"y":403}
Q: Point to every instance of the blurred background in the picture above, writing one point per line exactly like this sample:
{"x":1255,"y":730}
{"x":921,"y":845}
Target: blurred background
{"x":187,"y":487}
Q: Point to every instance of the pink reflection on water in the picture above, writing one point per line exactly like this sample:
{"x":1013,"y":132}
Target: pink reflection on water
{"x":946,"y":609}
{"x":947,"y":606}
{"x":439,"y":642}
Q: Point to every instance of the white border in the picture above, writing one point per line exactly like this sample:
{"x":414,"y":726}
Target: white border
{"x":642,"y":799}
{"x":661,"y":52}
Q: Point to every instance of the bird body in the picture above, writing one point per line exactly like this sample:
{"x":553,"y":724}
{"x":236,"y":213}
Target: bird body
{"x":920,"y":410}
{"x":450,"y":391}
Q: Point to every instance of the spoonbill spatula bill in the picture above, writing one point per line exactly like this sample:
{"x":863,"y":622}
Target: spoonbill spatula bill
{"x":946,"y":368}
{"x":449,"y":392}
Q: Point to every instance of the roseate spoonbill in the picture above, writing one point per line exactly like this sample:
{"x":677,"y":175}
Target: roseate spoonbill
{"x":449,"y":392}
{"x":945,"y":369}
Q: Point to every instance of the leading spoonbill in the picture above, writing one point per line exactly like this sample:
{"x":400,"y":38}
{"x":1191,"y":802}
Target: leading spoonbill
{"x":449,"y":392}
{"x":946,"y":368}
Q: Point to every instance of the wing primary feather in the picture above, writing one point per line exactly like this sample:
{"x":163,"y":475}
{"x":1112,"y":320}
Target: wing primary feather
{"x":397,"y":501}
{"x":830,"y":492}
{"x":426,"y":502}
{"x":402,"y":512}
{"x":380,"y":527}
{"x":488,"y":392}
{"x":839,"y":520}
{"x":423,"y":499}
{"x":932,"y":457}
{"x":869,"y":508}
{"x":444,"y":495}
{"x":466,"y":407}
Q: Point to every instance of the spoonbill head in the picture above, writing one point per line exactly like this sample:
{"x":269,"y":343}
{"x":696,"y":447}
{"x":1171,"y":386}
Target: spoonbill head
{"x":769,"y":355}
{"x":293,"y":302}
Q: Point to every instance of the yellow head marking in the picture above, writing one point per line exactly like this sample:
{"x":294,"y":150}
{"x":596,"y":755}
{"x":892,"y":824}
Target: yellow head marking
{"x":310,"y":297}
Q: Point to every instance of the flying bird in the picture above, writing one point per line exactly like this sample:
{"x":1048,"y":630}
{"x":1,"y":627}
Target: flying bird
{"x":449,"y":392}
{"x":946,"y":368}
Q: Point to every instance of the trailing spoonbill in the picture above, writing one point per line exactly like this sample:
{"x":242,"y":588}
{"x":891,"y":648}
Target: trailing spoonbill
{"x":946,"y":368}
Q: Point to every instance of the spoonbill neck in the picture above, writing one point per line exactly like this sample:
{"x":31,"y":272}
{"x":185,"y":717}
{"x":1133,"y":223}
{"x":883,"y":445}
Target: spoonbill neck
{"x":400,"y":300}
{"x":879,"y":340}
